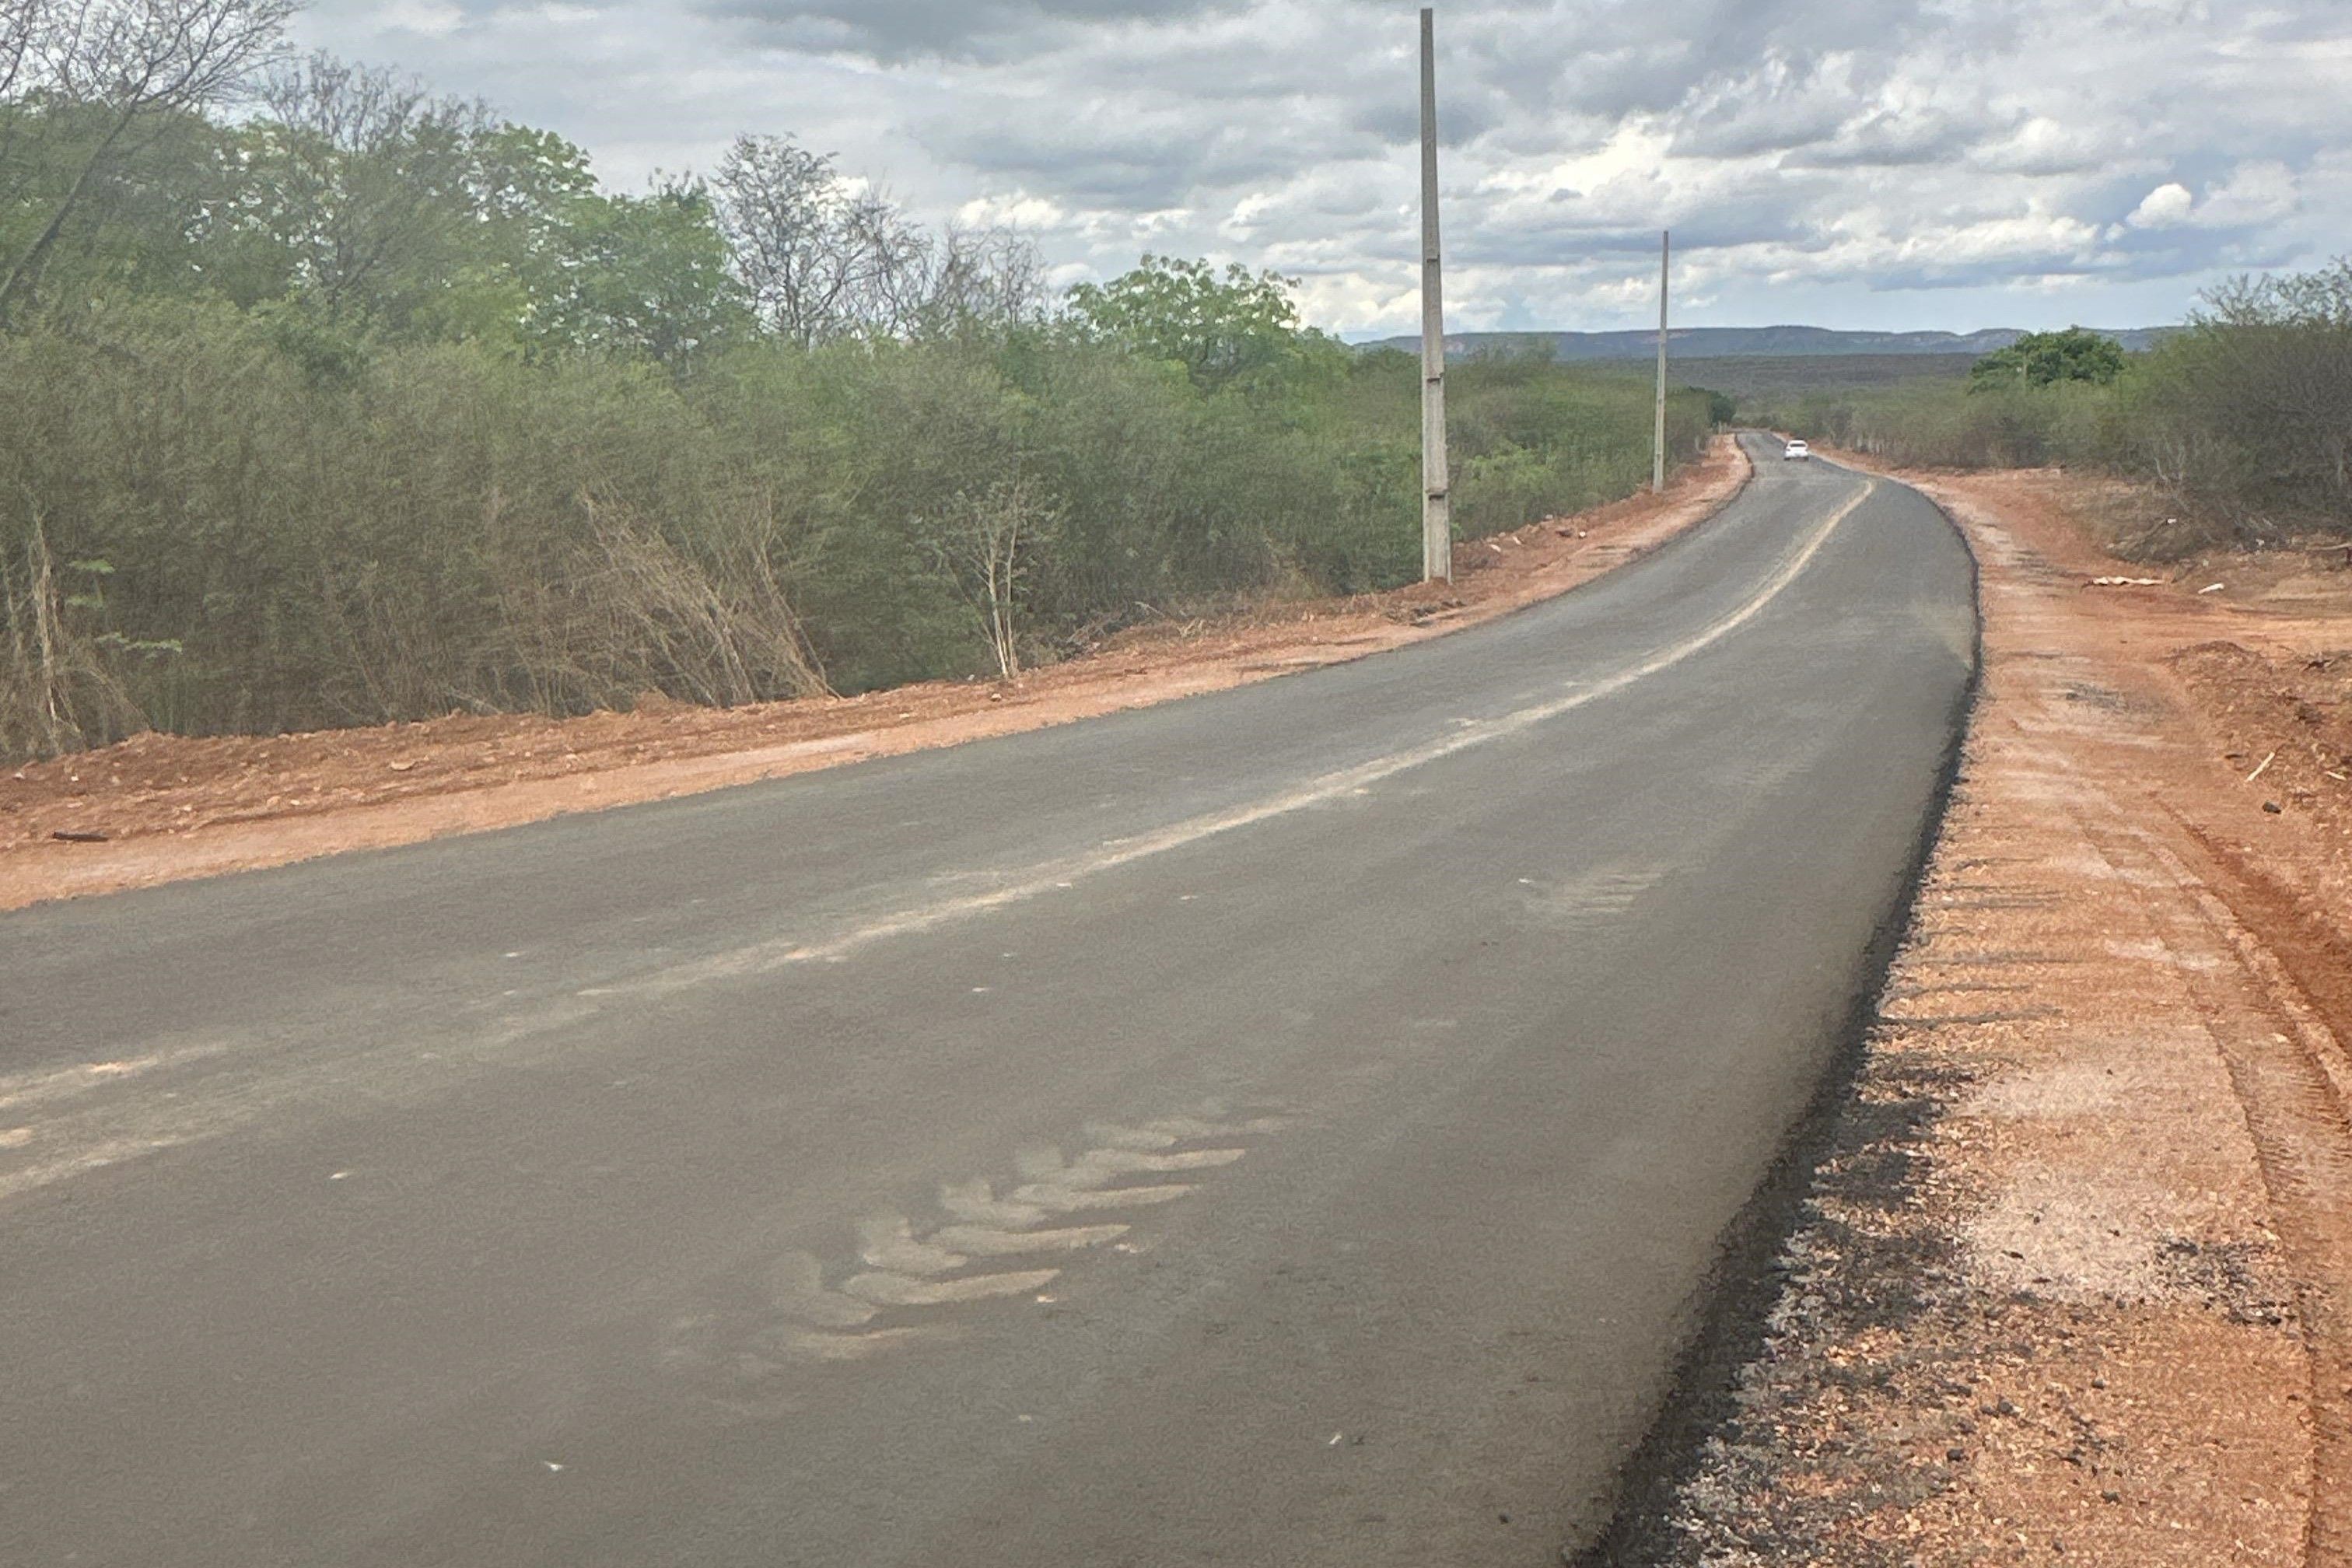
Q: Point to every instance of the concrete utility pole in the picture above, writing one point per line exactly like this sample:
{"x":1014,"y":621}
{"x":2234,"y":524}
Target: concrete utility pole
{"x":1658,"y":432}
{"x":1436,"y":508}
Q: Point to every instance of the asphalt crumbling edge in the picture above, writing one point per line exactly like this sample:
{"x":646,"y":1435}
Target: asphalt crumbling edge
{"x":1733,"y":1306}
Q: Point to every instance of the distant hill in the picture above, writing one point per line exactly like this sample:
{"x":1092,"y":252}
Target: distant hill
{"x":1748,"y":342}
{"x":1748,"y":377}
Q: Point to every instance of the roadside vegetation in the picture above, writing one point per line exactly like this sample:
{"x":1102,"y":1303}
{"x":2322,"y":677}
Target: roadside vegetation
{"x":329,"y":401}
{"x":2239,"y":427}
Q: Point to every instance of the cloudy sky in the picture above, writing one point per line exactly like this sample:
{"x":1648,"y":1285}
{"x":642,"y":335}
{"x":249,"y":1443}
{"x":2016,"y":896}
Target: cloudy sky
{"x":1952,"y":164}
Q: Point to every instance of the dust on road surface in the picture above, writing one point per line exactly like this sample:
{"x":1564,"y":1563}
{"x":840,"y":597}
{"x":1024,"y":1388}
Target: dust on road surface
{"x":166,"y":807}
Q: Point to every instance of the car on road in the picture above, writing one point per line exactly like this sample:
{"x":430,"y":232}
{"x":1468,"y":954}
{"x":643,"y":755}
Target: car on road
{"x":1797,"y":451}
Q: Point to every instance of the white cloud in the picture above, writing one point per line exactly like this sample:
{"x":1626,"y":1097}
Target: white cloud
{"x":427,"y":18}
{"x":2167,"y":206}
{"x":1856,"y":162}
{"x":1017,"y":209}
{"x":2253,"y":195}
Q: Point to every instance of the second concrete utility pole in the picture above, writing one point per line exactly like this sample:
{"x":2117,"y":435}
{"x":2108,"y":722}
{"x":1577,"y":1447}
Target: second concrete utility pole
{"x":1658,"y":431}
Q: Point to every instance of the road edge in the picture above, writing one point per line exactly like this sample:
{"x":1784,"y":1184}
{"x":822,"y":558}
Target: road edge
{"x":1731,"y":1305}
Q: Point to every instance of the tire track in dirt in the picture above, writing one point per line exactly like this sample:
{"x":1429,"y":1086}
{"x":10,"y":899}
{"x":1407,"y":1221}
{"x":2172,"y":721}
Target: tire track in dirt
{"x":2290,"y":1076}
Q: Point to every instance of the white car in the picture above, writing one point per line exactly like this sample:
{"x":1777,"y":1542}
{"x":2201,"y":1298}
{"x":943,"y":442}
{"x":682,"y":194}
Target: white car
{"x":1797,"y":451}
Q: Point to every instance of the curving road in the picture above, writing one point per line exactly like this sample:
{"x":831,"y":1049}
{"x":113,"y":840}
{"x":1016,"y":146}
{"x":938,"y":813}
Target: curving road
{"x":1284,"y":1127}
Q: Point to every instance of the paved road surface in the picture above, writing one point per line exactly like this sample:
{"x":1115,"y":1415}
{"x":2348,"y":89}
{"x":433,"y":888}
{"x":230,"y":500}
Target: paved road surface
{"x":1282,"y":1127}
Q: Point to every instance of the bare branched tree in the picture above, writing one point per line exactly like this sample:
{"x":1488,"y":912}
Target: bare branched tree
{"x":804,"y":246}
{"x":19,"y":20}
{"x":57,"y":694}
{"x":987,"y":276}
{"x":21,"y":25}
{"x":822,"y":257}
{"x":351,"y":107}
{"x":893,"y":257}
{"x":989,"y":542}
{"x":132,"y":64}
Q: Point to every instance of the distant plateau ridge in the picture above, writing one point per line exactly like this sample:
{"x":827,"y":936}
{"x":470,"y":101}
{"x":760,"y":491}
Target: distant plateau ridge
{"x":1748,"y":342}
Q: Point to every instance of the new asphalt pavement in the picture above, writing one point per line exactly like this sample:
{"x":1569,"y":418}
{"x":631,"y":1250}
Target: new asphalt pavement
{"x":1292,"y":1126}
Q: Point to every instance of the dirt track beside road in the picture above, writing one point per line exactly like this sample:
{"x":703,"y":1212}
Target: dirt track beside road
{"x":2073,"y":1281}
{"x":158,"y":808}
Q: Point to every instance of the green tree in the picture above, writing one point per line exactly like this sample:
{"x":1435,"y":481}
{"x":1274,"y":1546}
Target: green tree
{"x":638,"y":276}
{"x":363,"y":212}
{"x":112,"y":75}
{"x":2043,"y":359}
{"x":137,"y":230}
{"x":1238,"y":328}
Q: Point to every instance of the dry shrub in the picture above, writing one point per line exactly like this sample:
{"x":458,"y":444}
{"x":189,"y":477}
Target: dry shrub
{"x":631,"y":612}
{"x":57,"y":694}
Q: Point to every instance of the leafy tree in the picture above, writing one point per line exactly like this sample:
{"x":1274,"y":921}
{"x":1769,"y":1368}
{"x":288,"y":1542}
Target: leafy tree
{"x":354,"y":194}
{"x":643,"y":276}
{"x":1235,"y":328}
{"x":530,"y":193}
{"x":2041,"y":359}
{"x":364,"y":211}
{"x":130,"y":68}
{"x":138,"y":230}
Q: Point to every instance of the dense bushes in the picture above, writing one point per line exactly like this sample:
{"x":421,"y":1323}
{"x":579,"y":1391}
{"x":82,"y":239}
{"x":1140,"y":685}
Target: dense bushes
{"x":2250,"y":410}
{"x":1945,"y":423}
{"x":204,"y":531}
{"x":247,"y":550}
{"x":2242,"y":420}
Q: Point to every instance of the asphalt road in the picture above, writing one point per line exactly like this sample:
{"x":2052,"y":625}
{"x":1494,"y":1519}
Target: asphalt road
{"x":1284,"y":1127}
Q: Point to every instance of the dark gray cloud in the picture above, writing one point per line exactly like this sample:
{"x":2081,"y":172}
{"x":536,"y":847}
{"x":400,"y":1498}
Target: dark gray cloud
{"x":972,"y":29}
{"x":1142,"y":161}
{"x":1890,"y":139}
{"x":2021,"y":162}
